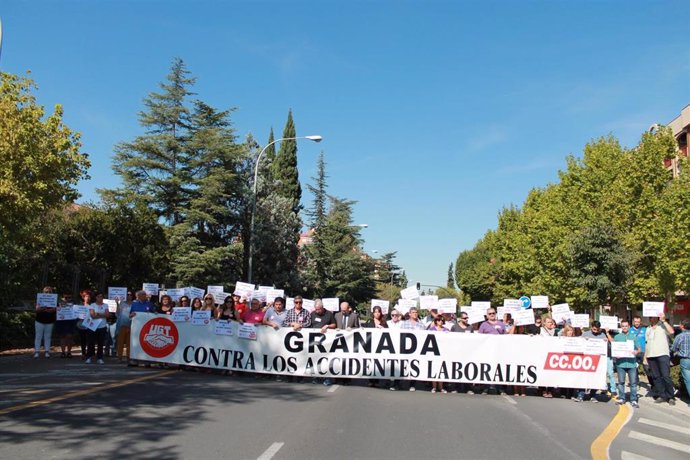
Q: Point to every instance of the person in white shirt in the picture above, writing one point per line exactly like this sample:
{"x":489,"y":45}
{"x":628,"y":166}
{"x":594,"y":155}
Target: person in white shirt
{"x":95,"y":339}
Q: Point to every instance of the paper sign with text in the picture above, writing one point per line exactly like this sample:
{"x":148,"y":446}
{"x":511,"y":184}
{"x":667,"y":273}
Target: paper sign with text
{"x":181,"y":314}
{"x":117,"y":293}
{"x":332,"y":304}
{"x":201,"y":318}
{"x":150,"y":288}
{"x":540,"y":301}
{"x":47,"y":300}
{"x":652,"y":309}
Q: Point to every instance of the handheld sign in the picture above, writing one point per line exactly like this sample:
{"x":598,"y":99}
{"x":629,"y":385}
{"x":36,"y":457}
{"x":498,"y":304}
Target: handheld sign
{"x":428,"y":302}
{"x":65,"y":313}
{"x":47,"y":300}
{"x":524,"y":317}
{"x":117,"y":293}
{"x":540,"y":301}
{"x":217,"y":293}
{"x":245,"y":289}
{"x":579,"y":320}
{"x":193,"y":292}
{"x":609,"y":322}
{"x":175,"y":294}
{"x":308,"y":304}
{"x":150,"y":288}
{"x":384,"y":304}
{"x":652,"y":309}
{"x":409,"y":293}
{"x":483,"y":305}
{"x":81,"y":311}
{"x":512,"y":304}
{"x":525,"y":302}
{"x":181,"y":314}
{"x":222,"y":327}
{"x":447,"y":305}
{"x":624,"y":349}
{"x":404,"y":305}
{"x":112,"y":305}
{"x":332,"y":304}
{"x":247,"y":331}
{"x":201,"y":318}
{"x":273,"y":294}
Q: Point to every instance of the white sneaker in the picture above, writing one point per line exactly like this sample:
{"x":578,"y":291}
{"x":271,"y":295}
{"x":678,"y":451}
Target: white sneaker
{"x":413,"y":389}
{"x":100,"y":361}
{"x":88,"y":361}
{"x":444,"y":391}
{"x":47,"y":355}
{"x":433,"y":390}
{"x":36,"y":355}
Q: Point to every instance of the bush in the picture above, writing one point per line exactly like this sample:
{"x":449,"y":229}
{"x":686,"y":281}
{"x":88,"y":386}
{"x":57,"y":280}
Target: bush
{"x":16,"y":329}
{"x":678,"y":381}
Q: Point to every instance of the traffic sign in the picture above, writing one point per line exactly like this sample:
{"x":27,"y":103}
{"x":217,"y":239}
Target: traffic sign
{"x":525,"y":301}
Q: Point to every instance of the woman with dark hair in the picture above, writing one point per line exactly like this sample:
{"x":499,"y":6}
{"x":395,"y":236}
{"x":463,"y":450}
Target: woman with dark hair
{"x":196,"y":304}
{"x":166,"y":305}
{"x":378,"y":321}
{"x":437,"y":326}
{"x":65,"y":329}
{"x":226,"y":310}
{"x":43,"y":326}
{"x":86,"y":298}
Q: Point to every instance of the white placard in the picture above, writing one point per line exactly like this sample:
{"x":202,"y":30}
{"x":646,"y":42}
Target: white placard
{"x":523,"y":317}
{"x":580,"y":320}
{"x":290,"y":303}
{"x":332,"y":304}
{"x":247,"y":331}
{"x":513,"y":304}
{"x":623,"y":349}
{"x":501,"y":311}
{"x":609,"y":322}
{"x":409,"y":293}
{"x":46,"y":300}
{"x":447,"y":305}
{"x":90,"y":323}
{"x":483,"y":305}
{"x":573,"y":345}
{"x":193,"y":292}
{"x":81,"y":311}
{"x":539,"y":301}
{"x":258,"y":295}
{"x":652,"y":309}
{"x":222,"y":327}
{"x":308,"y":304}
{"x":217,"y":292}
{"x":117,"y":293}
{"x":596,"y":346}
{"x":384,"y":304}
{"x":428,"y":302}
{"x":66,"y":313}
{"x":175,"y":294}
{"x":201,"y":318}
{"x":245,"y":289}
{"x":181,"y":314}
{"x":150,"y":288}
{"x":475,"y":314}
{"x":112,"y":305}
{"x":560,"y":311}
{"x":273,"y":294}
{"x":404,"y":305}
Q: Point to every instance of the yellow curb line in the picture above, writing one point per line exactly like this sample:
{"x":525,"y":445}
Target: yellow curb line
{"x":43,"y":402}
{"x":600,"y":446}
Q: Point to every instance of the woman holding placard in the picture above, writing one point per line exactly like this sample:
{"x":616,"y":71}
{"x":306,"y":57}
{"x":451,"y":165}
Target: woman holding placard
{"x":166,"y":306}
{"x":226,"y":311}
{"x":86,"y":300}
{"x":45,"y":318}
{"x":65,"y":327}
{"x":378,"y":320}
{"x":96,"y":329}
{"x":196,"y":304}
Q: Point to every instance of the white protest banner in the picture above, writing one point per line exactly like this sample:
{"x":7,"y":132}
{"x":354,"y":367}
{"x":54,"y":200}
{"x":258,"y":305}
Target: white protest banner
{"x":181,"y":314}
{"x":560,"y":311}
{"x":447,"y":305}
{"x":383,"y":304}
{"x":290,"y":303}
{"x":409,"y":293}
{"x":625,"y":349}
{"x":404,"y":305}
{"x":428,"y":302}
{"x":332,"y":304}
{"x":573,"y":344}
{"x":264,"y":288}
{"x":201,"y":318}
{"x":81,"y":311}
{"x":217,"y":292}
{"x":193,"y":292}
{"x":596,"y":346}
{"x":245,"y":289}
{"x":46,"y":300}
{"x":539,"y":301}
{"x":273,"y":294}
{"x":475,"y":314}
{"x":117,"y":293}
{"x":609,"y":322}
{"x":652,"y":309}
{"x":371,"y":353}
{"x":523,"y":317}
{"x":112,"y":305}
{"x":90,"y":323}
{"x":247,"y":331}
{"x":258,"y":295}
{"x":175,"y":294}
{"x":580,"y":320}
{"x":513,"y":304}
{"x":308,"y":304}
{"x":65,"y":313}
{"x":150,"y":288}
{"x":222,"y":327}
{"x":481,"y":305}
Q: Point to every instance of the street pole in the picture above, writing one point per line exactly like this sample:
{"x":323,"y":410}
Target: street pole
{"x":254,"y":190}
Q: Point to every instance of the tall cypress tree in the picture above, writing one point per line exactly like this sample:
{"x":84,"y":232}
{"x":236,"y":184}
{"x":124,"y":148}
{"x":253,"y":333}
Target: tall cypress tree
{"x":285,"y":167}
{"x":155,"y":166}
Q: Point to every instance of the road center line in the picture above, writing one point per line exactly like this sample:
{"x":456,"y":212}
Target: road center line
{"x":600,"y":447}
{"x":271,"y":451}
{"x":333,"y":388}
{"x":666,"y":426}
{"x":73,"y":394}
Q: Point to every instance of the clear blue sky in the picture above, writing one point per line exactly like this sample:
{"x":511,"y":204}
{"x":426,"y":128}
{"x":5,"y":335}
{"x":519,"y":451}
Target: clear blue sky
{"x":435,"y":114}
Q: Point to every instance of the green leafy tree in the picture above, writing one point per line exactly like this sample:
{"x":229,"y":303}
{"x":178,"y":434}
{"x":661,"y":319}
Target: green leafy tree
{"x":285,"y":167}
{"x":450,"y":282}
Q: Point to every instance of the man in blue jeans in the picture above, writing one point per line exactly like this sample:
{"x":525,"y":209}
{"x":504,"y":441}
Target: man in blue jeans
{"x":627,"y":365}
{"x":681,"y":347}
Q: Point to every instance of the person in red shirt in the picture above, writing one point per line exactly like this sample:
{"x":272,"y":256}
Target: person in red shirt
{"x":255,"y":315}
{"x":240,"y":304}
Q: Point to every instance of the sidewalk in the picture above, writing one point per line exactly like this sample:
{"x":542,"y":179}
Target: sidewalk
{"x":643,"y":389}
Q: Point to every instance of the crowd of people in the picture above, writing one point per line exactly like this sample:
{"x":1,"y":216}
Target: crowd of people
{"x":654,"y":344}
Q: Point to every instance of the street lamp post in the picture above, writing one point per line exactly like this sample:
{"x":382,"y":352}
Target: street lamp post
{"x":256,"y":177}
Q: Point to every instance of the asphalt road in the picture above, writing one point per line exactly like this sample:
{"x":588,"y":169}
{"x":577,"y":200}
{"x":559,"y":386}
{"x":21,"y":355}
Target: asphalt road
{"x":65,"y":409}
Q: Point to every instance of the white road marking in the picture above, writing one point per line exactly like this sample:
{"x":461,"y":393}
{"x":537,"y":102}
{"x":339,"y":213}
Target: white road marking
{"x":666,"y":426}
{"x":271,"y":451}
{"x":333,"y":388}
{"x":625,"y":455}
{"x":509,"y":399}
{"x":659,"y":441}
